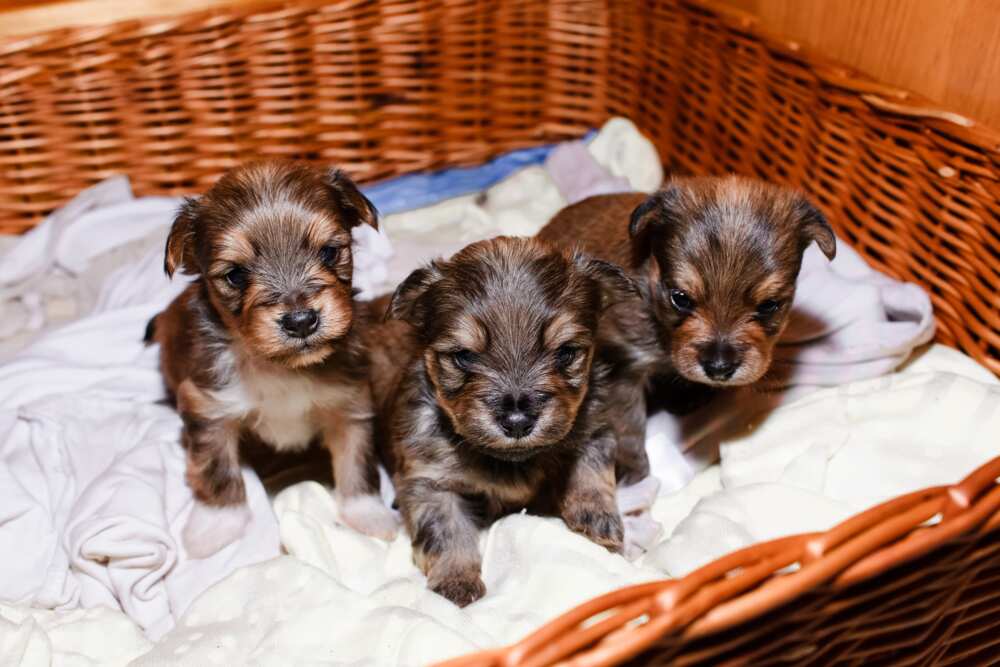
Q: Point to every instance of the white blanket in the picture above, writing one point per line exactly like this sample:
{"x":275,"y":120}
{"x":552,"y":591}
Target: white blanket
{"x":92,"y":480}
{"x":345,"y":599}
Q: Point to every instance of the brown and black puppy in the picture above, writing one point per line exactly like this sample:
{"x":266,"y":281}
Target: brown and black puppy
{"x":264,"y":343}
{"x":501,"y":406}
{"x":715,"y":259}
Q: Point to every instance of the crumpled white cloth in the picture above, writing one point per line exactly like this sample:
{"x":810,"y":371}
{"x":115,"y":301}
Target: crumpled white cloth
{"x":92,"y":489}
{"x":353,"y":600}
{"x":98,"y":637}
{"x":849,"y":322}
{"x":818,"y":460}
{"x":348,"y":599}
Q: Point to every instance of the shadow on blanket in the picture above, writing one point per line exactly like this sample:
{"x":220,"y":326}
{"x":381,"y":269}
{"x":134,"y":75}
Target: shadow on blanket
{"x":280,"y":470}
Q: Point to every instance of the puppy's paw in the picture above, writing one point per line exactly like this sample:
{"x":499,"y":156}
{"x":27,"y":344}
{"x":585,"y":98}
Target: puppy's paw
{"x":209,"y":529}
{"x":598,"y":524}
{"x":369,"y":515}
{"x":461,"y":589}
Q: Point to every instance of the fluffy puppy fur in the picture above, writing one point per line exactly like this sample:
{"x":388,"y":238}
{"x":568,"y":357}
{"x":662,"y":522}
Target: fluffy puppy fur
{"x":264,"y":345}
{"x":715,"y":259}
{"x":491,"y":399}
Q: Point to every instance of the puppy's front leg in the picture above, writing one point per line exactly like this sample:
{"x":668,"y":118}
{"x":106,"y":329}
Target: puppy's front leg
{"x":588,"y":504}
{"x":631,"y":460}
{"x":220,"y":513}
{"x":445,"y":539}
{"x":355,"y":475}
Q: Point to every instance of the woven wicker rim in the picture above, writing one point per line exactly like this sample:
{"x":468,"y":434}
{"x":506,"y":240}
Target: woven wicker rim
{"x":752,"y":581}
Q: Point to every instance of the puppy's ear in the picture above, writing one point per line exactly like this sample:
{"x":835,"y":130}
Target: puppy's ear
{"x":650,"y":219}
{"x":357,"y":208}
{"x":410,"y":301}
{"x":180,"y":250}
{"x":813,"y":226}
{"x":614,"y":283}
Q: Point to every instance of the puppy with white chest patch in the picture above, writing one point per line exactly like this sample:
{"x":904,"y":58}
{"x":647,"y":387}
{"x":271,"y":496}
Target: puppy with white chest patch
{"x":716,"y":262}
{"x":265,"y":342}
{"x":491,"y":400}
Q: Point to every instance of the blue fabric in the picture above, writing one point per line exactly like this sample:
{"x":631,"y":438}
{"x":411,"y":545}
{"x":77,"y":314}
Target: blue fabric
{"x":418,"y":190}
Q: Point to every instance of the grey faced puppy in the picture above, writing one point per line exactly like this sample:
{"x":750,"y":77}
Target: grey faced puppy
{"x":502,"y":404}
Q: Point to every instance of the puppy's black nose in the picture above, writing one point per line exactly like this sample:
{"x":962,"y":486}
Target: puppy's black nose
{"x":300,"y":323}
{"x":719,"y":361}
{"x":517,"y":416}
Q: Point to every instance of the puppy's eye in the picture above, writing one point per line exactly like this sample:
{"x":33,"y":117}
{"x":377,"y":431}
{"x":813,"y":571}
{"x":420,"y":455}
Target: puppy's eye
{"x":463,"y":359}
{"x":238,"y":277}
{"x":681,"y":301}
{"x":769,"y":307}
{"x":329,"y":254}
{"x":566,"y":355}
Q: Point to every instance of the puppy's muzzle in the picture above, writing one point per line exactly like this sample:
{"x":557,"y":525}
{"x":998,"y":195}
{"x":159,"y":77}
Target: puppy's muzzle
{"x":300,"y":323}
{"x":719,"y":360}
{"x":517,"y":415}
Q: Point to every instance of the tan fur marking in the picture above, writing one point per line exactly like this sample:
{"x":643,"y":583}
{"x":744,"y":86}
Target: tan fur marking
{"x":467,"y":333}
{"x":772,"y":287}
{"x":234,"y":247}
{"x":688,"y":279}
{"x":562,"y":329}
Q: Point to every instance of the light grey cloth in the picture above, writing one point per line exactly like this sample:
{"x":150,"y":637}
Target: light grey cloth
{"x":578,"y":175}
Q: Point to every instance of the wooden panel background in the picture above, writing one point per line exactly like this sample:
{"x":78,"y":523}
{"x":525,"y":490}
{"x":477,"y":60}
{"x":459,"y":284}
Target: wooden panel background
{"x":946,"y":50}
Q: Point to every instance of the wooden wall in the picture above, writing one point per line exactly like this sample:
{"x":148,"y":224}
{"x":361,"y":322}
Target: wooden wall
{"x":946,"y":50}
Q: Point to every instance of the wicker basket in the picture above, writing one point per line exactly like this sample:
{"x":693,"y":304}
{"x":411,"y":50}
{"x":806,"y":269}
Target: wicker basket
{"x":384,"y":87}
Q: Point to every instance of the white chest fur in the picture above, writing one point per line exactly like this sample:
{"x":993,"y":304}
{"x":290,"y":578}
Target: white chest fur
{"x":284,"y":407}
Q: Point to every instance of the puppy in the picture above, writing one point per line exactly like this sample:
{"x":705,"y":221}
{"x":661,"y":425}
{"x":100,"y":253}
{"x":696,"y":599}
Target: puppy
{"x":264,"y":343}
{"x":716,"y":260}
{"x":492,"y":401}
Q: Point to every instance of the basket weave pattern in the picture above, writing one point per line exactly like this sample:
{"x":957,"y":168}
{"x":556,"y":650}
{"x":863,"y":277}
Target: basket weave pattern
{"x":386,"y":87}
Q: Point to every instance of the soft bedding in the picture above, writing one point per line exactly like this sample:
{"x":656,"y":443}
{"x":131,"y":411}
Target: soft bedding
{"x":345,"y":599}
{"x":92,"y":493}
